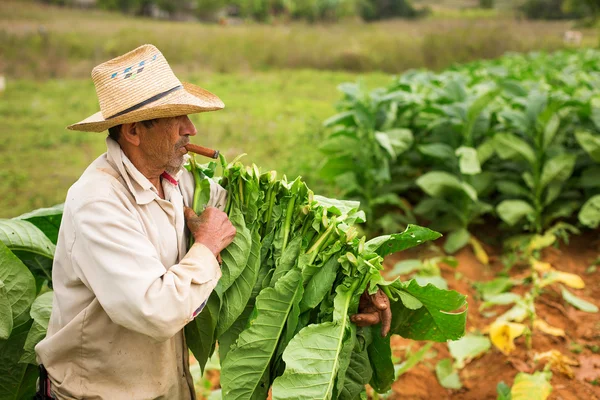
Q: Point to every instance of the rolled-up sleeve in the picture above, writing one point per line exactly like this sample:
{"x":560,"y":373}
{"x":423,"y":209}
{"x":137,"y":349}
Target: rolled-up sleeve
{"x":117,"y":261}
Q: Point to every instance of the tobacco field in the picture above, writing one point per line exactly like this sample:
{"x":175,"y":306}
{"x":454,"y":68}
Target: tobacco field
{"x":471,"y":197}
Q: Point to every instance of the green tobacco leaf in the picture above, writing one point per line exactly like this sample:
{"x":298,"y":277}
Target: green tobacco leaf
{"x":30,"y":245}
{"x":334,"y":166}
{"x":536,"y":103}
{"x":20,"y":235}
{"x":503,"y":391}
{"x":475,"y":114}
{"x":16,"y":379}
{"x":340,"y":144}
{"x":467,"y":348}
{"x":447,"y":375}
{"x":288,"y":260}
{"x":46,"y":219}
{"x":508,"y":145}
{"x":345,"y":118}
{"x":590,"y":143}
{"x":235,"y":256}
{"x":502,"y":299}
{"x":406,"y":267}
{"x":34,"y":336}
{"x":513,"y":189}
{"x":200,"y":333}
{"x":228,"y":339}
{"x":413,"y":236}
{"x":412,"y":360}
{"x":40,"y":312}
{"x":319,"y":285}
{"x":493,"y":287}
{"x":589,"y":215}
{"x":438,"y":319}
{"x":400,"y":139}
{"x":380,"y":355}
{"x":438,"y":151}
{"x":18,"y":283}
{"x":578,"y":303}
{"x":558,"y":169}
{"x":358,"y":374}
{"x":468,"y":161}
{"x":441,"y":184}
{"x":6,"y":319}
{"x":550,"y":130}
{"x":456,"y":240}
{"x":324,"y":344}
{"x":235,"y":298}
{"x":384,"y":141}
{"x":247,"y":363}
{"x":437,"y":281}
{"x":485,"y":151}
{"x":512,"y":211}
{"x":531,"y":387}
{"x":335,"y":206}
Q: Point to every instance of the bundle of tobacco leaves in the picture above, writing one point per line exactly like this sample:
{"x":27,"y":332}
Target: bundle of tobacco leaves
{"x":291,"y":279}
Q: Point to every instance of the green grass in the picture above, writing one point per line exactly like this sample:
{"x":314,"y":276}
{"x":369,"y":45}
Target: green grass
{"x":38,"y":41}
{"x":274,"y":117}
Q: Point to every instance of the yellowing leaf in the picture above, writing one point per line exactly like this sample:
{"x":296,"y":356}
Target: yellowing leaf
{"x":543,"y":326}
{"x":567,"y":278}
{"x":541,"y":266}
{"x":503,"y":333}
{"x":531,"y":387}
{"x":541,"y":241}
{"x":557,"y":362}
{"x":480,"y":253}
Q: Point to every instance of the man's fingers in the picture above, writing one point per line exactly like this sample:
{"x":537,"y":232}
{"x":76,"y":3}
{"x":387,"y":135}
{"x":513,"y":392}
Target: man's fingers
{"x":386,"y":321}
{"x":365,"y":319}
{"x":188,"y":213}
{"x":380,"y":300}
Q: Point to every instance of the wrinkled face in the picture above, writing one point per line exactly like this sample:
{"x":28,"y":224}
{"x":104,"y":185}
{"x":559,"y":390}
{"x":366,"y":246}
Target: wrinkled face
{"x":163,"y":142}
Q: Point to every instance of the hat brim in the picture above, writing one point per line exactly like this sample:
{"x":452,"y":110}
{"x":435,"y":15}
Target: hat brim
{"x":191,"y":100}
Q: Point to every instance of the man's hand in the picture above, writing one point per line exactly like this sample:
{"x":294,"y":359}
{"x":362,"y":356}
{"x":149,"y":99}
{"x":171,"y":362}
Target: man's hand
{"x":373,"y":309}
{"x":212,"y":228}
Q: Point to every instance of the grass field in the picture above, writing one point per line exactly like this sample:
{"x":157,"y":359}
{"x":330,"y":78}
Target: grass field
{"x":278,"y":82}
{"x":274,"y":117}
{"x":39,"y":41}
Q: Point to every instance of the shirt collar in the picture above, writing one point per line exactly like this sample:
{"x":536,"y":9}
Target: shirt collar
{"x":141,"y":188}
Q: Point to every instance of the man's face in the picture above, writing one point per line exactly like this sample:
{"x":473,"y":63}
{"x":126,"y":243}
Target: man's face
{"x":163,"y":143}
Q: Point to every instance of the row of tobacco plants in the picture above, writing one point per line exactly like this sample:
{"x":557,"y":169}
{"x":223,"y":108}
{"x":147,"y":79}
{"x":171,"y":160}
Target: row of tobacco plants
{"x":512,"y":144}
{"x":279,"y":319}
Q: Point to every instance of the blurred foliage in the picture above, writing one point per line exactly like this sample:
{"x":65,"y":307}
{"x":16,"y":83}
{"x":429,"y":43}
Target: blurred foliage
{"x":561,"y":9}
{"x":487,"y":3}
{"x":259,"y":10}
{"x":515,"y":139}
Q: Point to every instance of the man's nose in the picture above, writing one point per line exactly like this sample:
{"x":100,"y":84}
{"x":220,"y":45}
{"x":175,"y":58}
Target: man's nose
{"x":187,"y":127}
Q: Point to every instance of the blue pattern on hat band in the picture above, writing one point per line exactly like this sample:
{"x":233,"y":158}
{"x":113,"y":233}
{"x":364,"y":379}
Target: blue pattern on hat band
{"x":127,"y":72}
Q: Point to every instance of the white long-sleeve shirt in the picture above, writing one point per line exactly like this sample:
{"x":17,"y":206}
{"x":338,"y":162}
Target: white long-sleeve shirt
{"x":125,"y":286}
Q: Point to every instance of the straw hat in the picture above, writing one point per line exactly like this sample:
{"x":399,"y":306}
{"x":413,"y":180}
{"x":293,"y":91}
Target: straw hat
{"x":140,"y":85}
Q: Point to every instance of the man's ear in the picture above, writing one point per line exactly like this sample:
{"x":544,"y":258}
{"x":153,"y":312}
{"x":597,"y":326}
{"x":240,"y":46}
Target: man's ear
{"x":130,"y":133}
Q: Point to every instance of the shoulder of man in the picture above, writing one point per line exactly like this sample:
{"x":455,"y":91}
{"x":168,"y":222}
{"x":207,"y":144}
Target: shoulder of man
{"x":99,"y":181}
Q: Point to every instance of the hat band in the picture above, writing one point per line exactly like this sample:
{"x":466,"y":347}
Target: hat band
{"x":145,"y":102}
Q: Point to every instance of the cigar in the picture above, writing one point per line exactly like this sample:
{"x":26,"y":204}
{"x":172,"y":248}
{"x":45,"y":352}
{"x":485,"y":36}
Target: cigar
{"x":203,"y":151}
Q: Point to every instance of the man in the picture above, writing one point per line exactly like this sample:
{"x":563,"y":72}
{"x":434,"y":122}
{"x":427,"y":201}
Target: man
{"x":125,"y":283}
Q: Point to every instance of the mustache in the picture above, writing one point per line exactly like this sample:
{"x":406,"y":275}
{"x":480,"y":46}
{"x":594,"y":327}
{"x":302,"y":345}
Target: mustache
{"x":181,"y":143}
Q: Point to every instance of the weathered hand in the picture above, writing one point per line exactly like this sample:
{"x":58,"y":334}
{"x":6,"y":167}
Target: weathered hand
{"x":212,"y":228}
{"x":373,"y":309}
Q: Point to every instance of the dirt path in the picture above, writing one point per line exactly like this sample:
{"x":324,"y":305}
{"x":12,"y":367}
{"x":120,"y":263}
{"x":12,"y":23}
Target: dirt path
{"x":481,"y":376}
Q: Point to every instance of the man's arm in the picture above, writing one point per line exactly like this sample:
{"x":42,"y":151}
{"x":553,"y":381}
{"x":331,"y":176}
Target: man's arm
{"x":117,"y":261}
